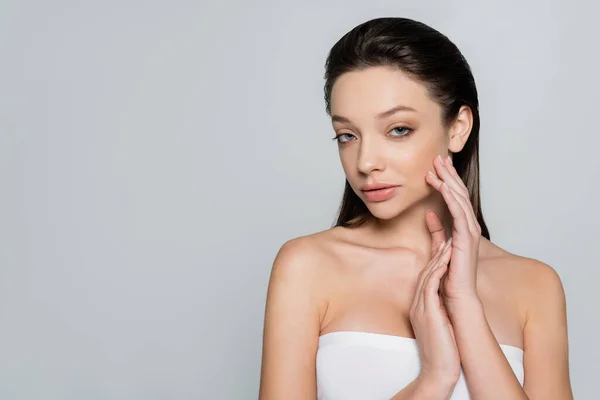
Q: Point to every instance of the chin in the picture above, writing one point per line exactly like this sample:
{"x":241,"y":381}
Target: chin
{"x":395,"y":206}
{"x":386,"y":209}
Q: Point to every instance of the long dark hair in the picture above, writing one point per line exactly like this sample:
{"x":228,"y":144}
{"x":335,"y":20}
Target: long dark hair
{"x":427,"y":56}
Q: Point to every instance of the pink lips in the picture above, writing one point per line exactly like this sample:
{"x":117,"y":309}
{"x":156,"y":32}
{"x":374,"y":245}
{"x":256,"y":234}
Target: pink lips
{"x":380,"y":194}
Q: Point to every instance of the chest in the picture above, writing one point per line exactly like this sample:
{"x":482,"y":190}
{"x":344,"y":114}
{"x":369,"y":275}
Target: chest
{"x":376,"y":296}
{"x":360,"y":365}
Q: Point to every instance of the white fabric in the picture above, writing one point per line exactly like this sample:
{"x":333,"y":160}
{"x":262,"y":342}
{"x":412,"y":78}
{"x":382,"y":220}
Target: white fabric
{"x":364,"y":366}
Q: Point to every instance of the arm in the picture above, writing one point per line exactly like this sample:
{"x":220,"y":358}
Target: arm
{"x":292,"y":324}
{"x":488,"y":373}
{"x":546,"y":341}
{"x":423,"y":389}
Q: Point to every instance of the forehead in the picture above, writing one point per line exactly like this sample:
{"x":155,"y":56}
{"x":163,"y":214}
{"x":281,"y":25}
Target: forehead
{"x":367,"y":92}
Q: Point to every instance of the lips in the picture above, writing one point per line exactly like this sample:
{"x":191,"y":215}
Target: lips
{"x":376,"y":186}
{"x":382,"y":193}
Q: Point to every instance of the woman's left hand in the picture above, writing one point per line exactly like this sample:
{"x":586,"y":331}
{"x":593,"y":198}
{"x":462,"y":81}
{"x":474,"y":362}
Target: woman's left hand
{"x":459,"y":284}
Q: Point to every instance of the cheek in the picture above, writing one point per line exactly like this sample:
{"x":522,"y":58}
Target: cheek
{"x":425,"y":160}
{"x":348,"y":163}
{"x":417,"y":161}
{"x":427,"y":153}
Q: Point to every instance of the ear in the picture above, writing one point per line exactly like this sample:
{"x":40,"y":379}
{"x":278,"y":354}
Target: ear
{"x":460,"y":129}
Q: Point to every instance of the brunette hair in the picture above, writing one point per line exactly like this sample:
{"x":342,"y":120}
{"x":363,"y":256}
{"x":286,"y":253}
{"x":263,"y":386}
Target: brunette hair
{"x":432,"y":59}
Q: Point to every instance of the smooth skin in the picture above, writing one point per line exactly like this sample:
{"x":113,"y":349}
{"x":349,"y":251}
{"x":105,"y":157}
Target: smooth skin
{"x":367,"y":278}
{"x":438,"y":350}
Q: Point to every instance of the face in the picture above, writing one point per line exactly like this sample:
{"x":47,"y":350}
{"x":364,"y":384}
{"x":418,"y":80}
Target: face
{"x":382,"y":147}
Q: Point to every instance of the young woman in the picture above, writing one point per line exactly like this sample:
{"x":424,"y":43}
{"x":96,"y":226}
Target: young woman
{"x":406,"y":297}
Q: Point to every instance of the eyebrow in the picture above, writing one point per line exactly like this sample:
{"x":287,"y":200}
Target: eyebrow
{"x":381,"y":115}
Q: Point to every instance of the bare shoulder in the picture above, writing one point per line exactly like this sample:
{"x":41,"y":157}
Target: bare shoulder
{"x":305,"y":254}
{"x":298,"y":255}
{"x":295,"y":270}
{"x":530,"y":272}
{"x":533,"y":280}
{"x":527,"y":268}
{"x":295,"y":305}
{"x":545,"y":334}
{"x":300,"y":269}
{"x":543,"y":287}
{"x":310,"y":251}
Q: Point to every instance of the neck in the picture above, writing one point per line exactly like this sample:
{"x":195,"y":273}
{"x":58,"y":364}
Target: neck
{"x":409,"y":229}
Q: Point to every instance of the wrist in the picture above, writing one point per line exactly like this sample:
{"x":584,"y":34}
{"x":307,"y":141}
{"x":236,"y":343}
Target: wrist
{"x":463,"y":305}
{"x":434,"y":388}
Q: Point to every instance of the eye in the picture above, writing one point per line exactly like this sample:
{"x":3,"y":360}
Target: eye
{"x":407,"y":131}
{"x":340,"y":136}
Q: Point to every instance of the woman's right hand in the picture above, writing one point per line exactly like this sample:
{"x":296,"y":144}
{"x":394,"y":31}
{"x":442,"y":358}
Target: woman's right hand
{"x":440,"y":360}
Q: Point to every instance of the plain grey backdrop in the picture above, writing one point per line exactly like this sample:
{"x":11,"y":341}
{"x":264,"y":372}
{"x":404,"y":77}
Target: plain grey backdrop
{"x":154,"y":156}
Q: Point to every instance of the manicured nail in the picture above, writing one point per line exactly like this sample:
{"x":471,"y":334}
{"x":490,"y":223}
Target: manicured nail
{"x":440,"y":158}
{"x":432,"y":174}
{"x":450,"y":160}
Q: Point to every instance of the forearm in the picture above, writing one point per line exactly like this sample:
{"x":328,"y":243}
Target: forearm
{"x":487,"y":372}
{"x":424,"y":389}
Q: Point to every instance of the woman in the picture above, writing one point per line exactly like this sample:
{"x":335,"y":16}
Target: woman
{"x":373,"y":308}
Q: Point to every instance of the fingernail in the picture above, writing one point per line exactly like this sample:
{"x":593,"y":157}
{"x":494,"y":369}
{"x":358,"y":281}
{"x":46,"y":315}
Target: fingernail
{"x":450,"y":160}
{"x":440,"y":158}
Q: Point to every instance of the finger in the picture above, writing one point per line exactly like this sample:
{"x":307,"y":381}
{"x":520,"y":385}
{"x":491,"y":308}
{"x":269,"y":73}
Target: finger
{"x":458,"y":213}
{"x":443,"y":282}
{"x":435,"y":262}
{"x":440,"y":260}
{"x":454,"y":173}
{"x":430,"y":292}
{"x":431,"y":296}
{"x":460,"y":219}
{"x":416,"y":304}
{"x":468,"y":210}
{"x":462,"y":196}
{"x":423,"y":273}
{"x":441,"y":297}
{"x":453,"y":181}
{"x":465,"y":198}
{"x":436,"y":228}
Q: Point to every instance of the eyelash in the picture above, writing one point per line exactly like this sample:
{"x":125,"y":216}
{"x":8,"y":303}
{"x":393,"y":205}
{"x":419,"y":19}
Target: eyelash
{"x":409,"y":131}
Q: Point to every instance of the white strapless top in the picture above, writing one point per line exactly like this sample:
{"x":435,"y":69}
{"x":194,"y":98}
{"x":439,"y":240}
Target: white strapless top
{"x":372,"y":366}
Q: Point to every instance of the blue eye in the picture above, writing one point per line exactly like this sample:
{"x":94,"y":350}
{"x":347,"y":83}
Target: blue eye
{"x":408,"y":131}
{"x":337,"y":137}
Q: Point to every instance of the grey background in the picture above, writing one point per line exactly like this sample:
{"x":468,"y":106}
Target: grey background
{"x":154,"y":156}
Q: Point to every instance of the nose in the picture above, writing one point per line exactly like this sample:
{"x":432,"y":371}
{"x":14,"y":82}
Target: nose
{"x":370,"y":156}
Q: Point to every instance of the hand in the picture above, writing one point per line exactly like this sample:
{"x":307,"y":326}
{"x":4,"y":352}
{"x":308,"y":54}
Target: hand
{"x":440,"y":361}
{"x":460,"y":282}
